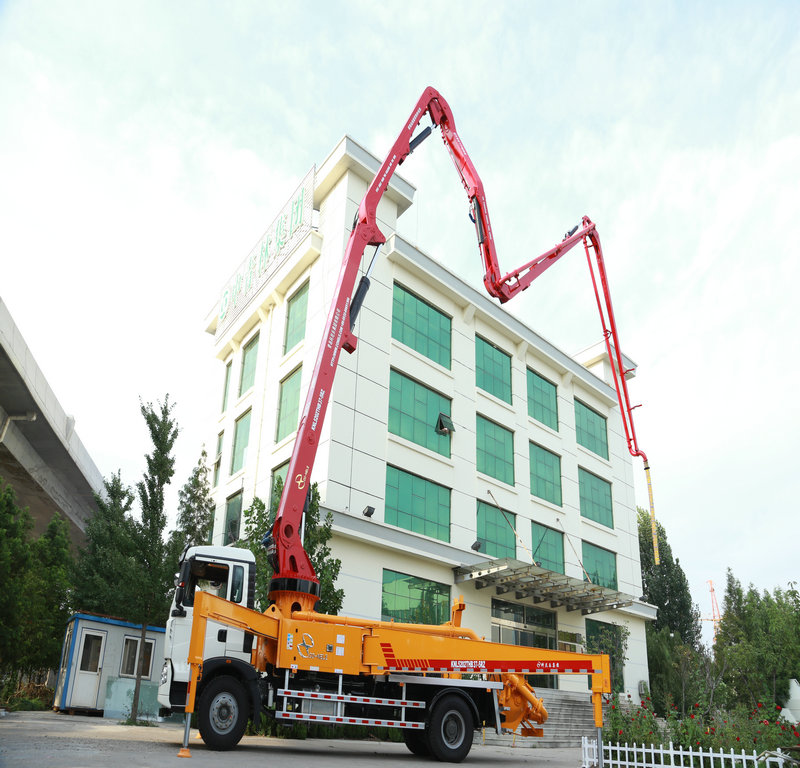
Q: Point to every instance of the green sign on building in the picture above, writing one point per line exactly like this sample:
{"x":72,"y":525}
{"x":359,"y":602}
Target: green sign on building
{"x":292,"y":224}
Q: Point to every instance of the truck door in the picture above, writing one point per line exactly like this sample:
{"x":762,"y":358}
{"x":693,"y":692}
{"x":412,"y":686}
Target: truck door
{"x":229,"y":581}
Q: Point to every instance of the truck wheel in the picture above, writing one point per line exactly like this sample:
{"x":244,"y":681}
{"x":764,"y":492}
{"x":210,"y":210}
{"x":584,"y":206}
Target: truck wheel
{"x":416,"y":741}
{"x":223,"y":712}
{"x":450,"y":729}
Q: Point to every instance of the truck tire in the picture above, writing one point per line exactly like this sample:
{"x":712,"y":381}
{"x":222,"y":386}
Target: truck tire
{"x":450,"y":729}
{"x":416,"y":741}
{"x":223,"y":712}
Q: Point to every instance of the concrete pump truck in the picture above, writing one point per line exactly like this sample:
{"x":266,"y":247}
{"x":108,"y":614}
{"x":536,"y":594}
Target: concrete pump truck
{"x":438,"y":683}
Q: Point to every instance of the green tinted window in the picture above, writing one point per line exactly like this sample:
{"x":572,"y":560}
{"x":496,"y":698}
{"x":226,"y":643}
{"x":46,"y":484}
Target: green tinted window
{"x":249,"y":356}
{"x":417,"y":504}
{"x":542,"y":400}
{"x":241,"y":437}
{"x":492,"y":369}
{"x":595,"y":496}
{"x":496,"y":531}
{"x":413,"y":412}
{"x":288,"y":405}
{"x":296,"y":310}
{"x":508,"y":611}
{"x":545,"y":474}
{"x":226,"y":386}
{"x":279,"y":473}
{"x":233,"y":514}
{"x":412,"y":600}
{"x":217,"y":460}
{"x":540,"y":618}
{"x":495,"y":450}
{"x":548,"y":547}
{"x":601,"y":565}
{"x":590,"y":429}
{"x":421,"y":326}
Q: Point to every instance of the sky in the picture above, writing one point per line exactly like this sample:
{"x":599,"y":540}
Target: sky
{"x":145,"y":147}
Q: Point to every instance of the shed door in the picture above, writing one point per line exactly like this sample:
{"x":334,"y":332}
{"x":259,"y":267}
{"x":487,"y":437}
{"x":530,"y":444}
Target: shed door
{"x":90,"y":667}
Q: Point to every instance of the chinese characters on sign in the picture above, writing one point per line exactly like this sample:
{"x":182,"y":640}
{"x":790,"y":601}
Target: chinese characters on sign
{"x":291,"y":225}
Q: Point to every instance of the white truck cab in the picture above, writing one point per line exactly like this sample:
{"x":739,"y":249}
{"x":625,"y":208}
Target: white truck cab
{"x":226,"y":572}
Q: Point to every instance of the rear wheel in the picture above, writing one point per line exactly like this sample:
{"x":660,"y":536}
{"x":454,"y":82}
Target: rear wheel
{"x":223,"y":712}
{"x":417,"y":741}
{"x":450,"y":729}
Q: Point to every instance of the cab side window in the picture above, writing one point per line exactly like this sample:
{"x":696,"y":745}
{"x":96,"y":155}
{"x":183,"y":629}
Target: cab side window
{"x":237,"y":584}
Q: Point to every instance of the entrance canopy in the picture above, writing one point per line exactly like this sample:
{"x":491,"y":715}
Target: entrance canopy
{"x":509,"y":576}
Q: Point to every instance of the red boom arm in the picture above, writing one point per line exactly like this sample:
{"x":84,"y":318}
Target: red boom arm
{"x":295,"y":582}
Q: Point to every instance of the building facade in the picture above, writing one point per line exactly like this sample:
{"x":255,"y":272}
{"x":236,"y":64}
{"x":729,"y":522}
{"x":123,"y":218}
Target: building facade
{"x":462,"y":454}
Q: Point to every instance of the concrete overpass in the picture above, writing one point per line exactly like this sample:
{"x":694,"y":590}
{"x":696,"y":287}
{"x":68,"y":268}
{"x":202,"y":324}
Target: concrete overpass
{"x":41,"y":457}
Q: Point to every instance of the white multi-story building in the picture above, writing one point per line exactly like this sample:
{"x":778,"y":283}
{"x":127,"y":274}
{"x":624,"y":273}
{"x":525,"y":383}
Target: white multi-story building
{"x":462,"y":453}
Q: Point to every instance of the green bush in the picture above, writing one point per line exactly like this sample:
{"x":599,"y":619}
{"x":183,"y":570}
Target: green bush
{"x":23,"y":704}
{"x":760,"y":729}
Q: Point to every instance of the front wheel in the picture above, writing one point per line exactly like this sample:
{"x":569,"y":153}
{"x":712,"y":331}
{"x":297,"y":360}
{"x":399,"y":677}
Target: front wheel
{"x":450,"y":729}
{"x":223,"y":712}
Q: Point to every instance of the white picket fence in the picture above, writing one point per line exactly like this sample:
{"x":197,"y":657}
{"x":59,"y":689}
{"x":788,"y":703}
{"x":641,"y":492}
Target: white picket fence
{"x":660,"y":756}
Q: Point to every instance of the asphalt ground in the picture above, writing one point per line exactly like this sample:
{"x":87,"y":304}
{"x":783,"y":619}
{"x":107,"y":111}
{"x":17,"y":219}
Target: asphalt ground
{"x":55,"y":740}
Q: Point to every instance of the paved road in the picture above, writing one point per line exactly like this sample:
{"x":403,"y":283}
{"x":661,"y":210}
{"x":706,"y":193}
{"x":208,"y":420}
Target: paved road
{"x":48,"y":739}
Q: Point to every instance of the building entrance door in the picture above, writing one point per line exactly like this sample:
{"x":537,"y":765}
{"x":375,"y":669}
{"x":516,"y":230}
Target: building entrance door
{"x":90,"y":667}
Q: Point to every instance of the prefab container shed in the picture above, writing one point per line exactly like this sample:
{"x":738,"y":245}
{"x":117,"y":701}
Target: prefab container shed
{"x":97,"y":672}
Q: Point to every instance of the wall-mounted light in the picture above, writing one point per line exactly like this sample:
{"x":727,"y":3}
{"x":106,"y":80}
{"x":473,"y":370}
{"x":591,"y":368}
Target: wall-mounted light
{"x":368,"y":511}
{"x":476,"y":545}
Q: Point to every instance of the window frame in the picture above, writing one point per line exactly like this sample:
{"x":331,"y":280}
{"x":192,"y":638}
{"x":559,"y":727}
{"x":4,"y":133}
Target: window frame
{"x":484,"y":459}
{"x":274,"y":475}
{"x":441,"y":609}
{"x":407,"y":332}
{"x":586,"y":432}
{"x":558,"y":498}
{"x":589,"y":505}
{"x":230,"y":504}
{"x":531,"y":378}
{"x":422,"y":428}
{"x":281,"y":418}
{"x":587,"y":572}
{"x":226,"y":385}
{"x":539,"y":532}
{"x":485,"y":378}
{"x":422,"y":513}
{"x":291,"y":305}
{"x":504,"y":545}
{"x":123,"y":657}
{"x":249,"y":352}
{"x":217,"y":466}
{"x":240,"y":451}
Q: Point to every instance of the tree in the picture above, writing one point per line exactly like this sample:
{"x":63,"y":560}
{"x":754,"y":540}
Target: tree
{"x":196,"y":506}
{"x":105,"y":566}
{"x":126,"y":567}
{"x":666,"y":586}
{"x":258,"y":521}
{"x":47,"y":590}
{"x":15,"y":523}
{"x":758,"y":640}
{"x":153,"y":580}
